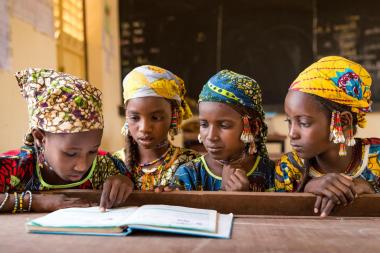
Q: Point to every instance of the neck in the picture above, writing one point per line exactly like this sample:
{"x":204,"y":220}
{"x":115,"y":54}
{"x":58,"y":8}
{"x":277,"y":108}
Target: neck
{"x":148,"y":155}
{"x":331,"y":162}
{"x":244,"y":162}
{"x":51,"y":177}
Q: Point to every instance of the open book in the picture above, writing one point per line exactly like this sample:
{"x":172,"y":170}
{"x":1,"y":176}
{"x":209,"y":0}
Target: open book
{"x":122,"y":221}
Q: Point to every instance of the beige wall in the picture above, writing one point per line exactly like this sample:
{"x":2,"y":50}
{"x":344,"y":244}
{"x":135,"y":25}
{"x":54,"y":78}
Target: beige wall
{"x":29,"y":48}
{"x":104,"y":66}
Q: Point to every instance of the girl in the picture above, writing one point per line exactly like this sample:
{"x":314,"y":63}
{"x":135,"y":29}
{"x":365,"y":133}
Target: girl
{"x":154,"y":106}
{"x":233,"y":132}
{"x":324,"y":105}
{"x":61,"y":148}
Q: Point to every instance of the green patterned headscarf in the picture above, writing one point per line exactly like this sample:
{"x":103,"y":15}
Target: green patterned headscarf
{"x":235,"y":89}
{"x":59,"y":102}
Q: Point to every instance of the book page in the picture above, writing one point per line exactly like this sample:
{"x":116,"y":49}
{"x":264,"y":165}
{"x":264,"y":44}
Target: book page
{"x":175,"y":217}
{"x":85,"y":217}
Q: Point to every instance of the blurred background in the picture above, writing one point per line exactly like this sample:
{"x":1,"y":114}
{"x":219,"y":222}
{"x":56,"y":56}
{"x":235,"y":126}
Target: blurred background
{"x":102,"y":40}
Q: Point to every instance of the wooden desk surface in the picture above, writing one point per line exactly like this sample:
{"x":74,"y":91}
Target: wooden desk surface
{"x":250,"y":234}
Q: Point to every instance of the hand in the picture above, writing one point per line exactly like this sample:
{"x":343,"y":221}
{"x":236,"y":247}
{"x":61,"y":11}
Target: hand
{"x":337,"y":187}
{"x":165,"y":189}
{"x":325,"y":205}
{"x":238,"y":180}
{"x":116,"y":190}
{"x":361,"y":186}
{"x":45,"y":202}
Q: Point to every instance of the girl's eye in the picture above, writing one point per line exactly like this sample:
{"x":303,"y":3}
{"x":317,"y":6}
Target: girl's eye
{"x":203,"y":124}
{"x":70,"y":154}
{"x":304,"y":124}
{"x":133,"y":117}
{"x":92,"y":152}
{"x":157,"y":117}
{"x":225,"y":125}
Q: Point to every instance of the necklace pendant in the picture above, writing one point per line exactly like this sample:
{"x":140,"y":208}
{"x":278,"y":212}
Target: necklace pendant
{"x":149,"y":170}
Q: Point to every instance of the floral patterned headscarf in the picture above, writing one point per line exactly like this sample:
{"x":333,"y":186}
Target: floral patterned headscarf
{"x":59,"y":102}
{"x":339,"y":80}
{"x":235,"y":89}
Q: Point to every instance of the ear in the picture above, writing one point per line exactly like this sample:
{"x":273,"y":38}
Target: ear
{"x":347,"y":120}
{"x":39,"y":137}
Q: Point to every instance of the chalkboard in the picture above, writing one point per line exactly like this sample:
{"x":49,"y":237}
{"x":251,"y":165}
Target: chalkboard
{"x":271,"y":41}
{"x":351,"y":29}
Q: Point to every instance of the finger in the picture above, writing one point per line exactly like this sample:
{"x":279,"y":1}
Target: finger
{"x":337,"y":192}
{"x":349,"y":183}
{"x":317,"y":204}
{"x":324,"y":203}
{"x":120,"y":195}
{"x":234,"y":179}
{"x":159,"y":189}
{"x":347,"y":176}
{"x":350,"y":196}
{"x":115,"y":188}
{"x":169,"y":188}
{"x":105,"y":196}
{"x":327,"y":210}
{"x":330,"y":195}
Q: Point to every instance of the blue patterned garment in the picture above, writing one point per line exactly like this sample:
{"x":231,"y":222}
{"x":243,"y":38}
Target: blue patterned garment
{"x":196,"y":175}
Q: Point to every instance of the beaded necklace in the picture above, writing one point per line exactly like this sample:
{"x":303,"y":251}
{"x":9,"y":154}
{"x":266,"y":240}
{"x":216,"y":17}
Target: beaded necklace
{"x":150,"y":170}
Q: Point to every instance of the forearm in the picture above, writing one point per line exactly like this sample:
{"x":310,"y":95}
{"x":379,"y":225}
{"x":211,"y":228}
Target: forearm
{"x":15,"y":203}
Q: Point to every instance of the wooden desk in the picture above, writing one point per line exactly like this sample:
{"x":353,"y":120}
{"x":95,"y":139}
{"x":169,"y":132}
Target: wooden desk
{"x":271,"y":231}
{"x":250,"y":234}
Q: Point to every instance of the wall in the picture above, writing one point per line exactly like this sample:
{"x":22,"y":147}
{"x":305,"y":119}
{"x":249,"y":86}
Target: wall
{"x":104,"y":65}
{"x":29,"y":48}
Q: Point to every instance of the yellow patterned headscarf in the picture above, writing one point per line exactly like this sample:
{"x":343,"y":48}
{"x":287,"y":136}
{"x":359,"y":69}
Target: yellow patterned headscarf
{"x":59,"y":102}
{"x":152,"y":81}
{"x":339,"y":80}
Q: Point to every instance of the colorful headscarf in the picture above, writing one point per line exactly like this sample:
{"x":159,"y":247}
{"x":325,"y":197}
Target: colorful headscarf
{"x":235,"y":89}
{"x":59,"y":102}
{"x":339,"y":80}
{"x":152,"y":81}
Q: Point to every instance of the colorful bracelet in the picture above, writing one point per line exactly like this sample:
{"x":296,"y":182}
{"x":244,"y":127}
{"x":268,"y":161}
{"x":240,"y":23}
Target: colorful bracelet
{"x":4,"y":201}
{"x":30,"y":200}
{"x":21,"y":200}
{"x":16,"y":203}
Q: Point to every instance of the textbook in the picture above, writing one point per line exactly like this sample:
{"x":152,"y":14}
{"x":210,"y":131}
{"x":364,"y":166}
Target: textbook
{"x":123,"y":221}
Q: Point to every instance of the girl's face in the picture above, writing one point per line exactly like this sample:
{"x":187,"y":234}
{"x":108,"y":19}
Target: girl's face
{"x":149,"y":120}
{"x":71,"y":155}
{"x":309,"y":126}
{"x":220,"y":130}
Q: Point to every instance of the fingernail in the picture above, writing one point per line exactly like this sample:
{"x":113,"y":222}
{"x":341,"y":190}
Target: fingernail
{"x":102,"y":209}
{"x":323,"y":215}
{"x":315,"y":210}
{"x":338,"y":203}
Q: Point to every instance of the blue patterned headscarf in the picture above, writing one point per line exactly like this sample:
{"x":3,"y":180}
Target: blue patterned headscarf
{"x":238,"y":90}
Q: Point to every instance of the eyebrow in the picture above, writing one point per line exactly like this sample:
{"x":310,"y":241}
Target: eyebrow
{"x":136,"y":112}
{"x":76,"y":148}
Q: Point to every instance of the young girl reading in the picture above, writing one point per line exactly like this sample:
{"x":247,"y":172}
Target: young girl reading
{"x":324,"y":106}
{"x":233,"y":131}
{"x":61,"y":148}
{"x":154,"y":106}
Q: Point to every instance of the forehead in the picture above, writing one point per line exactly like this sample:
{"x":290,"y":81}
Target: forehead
{"x":148,"y":104}
{"x":217,"y":110}
{"x":78,"y":140}
{"x":299,"y":103}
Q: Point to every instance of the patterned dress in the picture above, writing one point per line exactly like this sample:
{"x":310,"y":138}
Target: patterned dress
{"x":290,"y":168}
{"x":196,"y":175}
{"x":162,"y":175}
{"x":19,"y":172}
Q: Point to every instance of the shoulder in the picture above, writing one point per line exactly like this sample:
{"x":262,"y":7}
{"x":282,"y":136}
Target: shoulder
{"x":187,"y":154}
{"x":106,"y":161}
{"x":192,"y":165}
{"x":374,"y":144}
{"x":120,"y":154}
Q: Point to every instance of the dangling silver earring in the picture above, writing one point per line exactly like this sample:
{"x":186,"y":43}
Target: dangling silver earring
{"x":199,"y":138}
